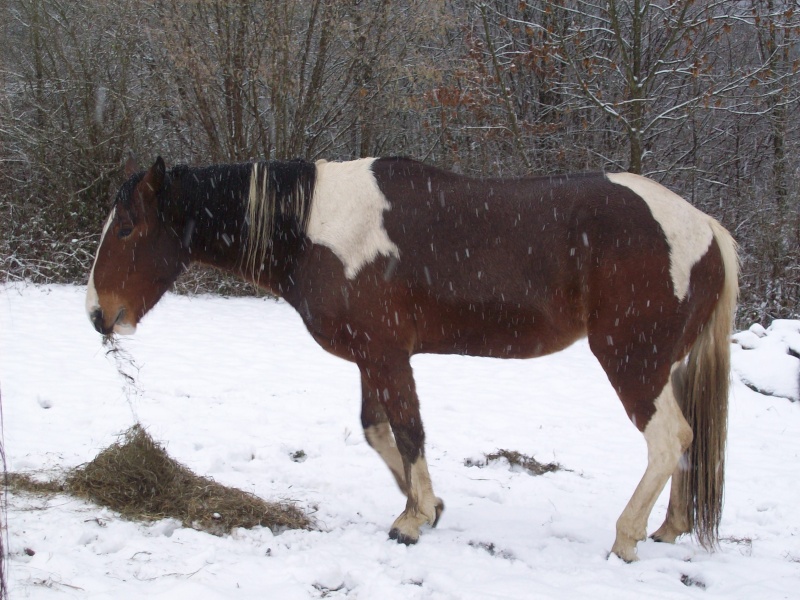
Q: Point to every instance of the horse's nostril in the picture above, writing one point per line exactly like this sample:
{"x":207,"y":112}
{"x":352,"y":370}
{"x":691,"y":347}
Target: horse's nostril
{"x":97,"y":320}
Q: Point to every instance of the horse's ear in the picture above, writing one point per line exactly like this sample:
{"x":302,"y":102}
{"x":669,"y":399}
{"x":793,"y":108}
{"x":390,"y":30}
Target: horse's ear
{"x":155,"y":176}
{"x":131,"y":167}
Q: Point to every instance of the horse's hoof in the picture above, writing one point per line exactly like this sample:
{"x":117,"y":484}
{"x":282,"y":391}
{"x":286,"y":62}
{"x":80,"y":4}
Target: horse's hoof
{"x":402,"y":538}
{"x":667,"y":534}
{"x":625,"y":556}
{"x":439,"y":510}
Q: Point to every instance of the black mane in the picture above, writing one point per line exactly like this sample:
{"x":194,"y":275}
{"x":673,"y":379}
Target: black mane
{"x":222,"y":208}
{"x":276,"y":213}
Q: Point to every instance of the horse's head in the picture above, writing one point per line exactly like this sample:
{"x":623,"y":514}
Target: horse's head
{"x":140,"y":255}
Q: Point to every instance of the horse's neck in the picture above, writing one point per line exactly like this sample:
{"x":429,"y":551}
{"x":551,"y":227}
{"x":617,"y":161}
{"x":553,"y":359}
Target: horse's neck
{"x":209,"y":214}
{"x":217,"y":230}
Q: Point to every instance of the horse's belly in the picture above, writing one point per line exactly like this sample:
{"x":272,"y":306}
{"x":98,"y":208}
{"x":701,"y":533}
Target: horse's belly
{"x":495,"y":331}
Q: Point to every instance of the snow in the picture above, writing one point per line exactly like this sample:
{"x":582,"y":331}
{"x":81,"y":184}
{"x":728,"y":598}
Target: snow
{"x":775,"y":368}
{"x":235,"y":387}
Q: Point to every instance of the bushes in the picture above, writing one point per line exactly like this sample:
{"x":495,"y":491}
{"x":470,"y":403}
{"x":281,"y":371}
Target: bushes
{"x":198,"y":83}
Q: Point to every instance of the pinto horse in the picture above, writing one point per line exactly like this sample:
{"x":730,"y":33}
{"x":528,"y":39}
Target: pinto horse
{"x":386,"y":258}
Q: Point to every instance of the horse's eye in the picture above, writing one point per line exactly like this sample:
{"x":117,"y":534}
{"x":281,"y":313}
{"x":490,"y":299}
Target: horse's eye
{"x":124,"y":232}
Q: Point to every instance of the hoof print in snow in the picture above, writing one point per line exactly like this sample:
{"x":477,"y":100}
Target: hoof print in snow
{"x":745,"y":544}
{"x":689,"y":581}
{"x":517,"y":462}
{"x":493,"y":550}
{"x":329,"y":592}
{"x":299,"y":456}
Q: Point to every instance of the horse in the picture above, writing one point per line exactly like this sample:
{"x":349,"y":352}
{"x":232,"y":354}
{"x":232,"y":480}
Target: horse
{"x":385,"y":258}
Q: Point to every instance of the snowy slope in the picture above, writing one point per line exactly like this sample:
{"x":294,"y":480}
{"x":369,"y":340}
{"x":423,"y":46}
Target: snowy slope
{"x":774,"y":369}
{"x":233,"y":387}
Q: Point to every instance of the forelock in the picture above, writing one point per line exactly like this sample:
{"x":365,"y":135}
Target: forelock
{"x":125,"y":192}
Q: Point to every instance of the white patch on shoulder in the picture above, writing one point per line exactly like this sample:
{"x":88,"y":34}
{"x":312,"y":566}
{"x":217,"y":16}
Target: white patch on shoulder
{"x":92,"y":300}
{"x":687,"y":229}
{"x":347,"y":214}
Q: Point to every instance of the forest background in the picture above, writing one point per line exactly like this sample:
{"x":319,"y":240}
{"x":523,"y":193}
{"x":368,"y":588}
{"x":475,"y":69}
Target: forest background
{"x":702,"y":96}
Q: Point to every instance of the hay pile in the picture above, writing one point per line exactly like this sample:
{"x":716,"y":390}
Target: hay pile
{"x":517,"y":460}
{"x":137,"y":478}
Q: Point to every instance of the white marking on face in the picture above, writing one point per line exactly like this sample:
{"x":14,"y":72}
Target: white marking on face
{"x":688,"y":230}
{"x":347,"y":214}
{"x":92,"y":300}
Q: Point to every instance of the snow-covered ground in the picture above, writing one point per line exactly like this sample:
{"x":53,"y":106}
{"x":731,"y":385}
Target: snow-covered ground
{"x":233,"y":387}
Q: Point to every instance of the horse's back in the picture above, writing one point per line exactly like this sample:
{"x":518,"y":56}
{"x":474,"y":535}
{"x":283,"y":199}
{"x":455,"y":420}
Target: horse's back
{"x":519,"y":239}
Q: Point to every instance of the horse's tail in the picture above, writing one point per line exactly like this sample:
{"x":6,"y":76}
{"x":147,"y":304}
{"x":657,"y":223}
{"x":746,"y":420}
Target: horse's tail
{"x":703,"y":397}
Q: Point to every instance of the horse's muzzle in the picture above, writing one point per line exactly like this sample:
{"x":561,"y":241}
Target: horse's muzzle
{"x":96,"y":317}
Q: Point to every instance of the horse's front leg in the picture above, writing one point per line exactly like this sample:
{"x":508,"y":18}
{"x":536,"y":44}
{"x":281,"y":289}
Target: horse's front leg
{"x":389,"y":394}
{"x":378,"y":432}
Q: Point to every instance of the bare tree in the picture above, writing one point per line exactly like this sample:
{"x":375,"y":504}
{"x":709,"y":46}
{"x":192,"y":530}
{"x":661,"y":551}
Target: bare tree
{"x":772,"y":243}
{"x":701,"y":95}
{"x":67,"y":125}
{"x":644,"y":65}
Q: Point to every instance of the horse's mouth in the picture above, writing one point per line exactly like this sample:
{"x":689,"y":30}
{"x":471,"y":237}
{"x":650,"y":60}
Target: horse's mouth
{"x":118,"y":326}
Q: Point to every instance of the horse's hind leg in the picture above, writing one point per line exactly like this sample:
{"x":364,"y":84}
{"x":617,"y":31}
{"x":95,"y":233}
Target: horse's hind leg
{"x":667,"y":435}
{"x":390,"y":381}
{"x":678,"y":521}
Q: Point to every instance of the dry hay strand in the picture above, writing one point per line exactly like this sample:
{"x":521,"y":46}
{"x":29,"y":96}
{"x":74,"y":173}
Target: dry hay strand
{"x":138,"y":479}
{"x":27,"y":483}
{"x":517,"y":460}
